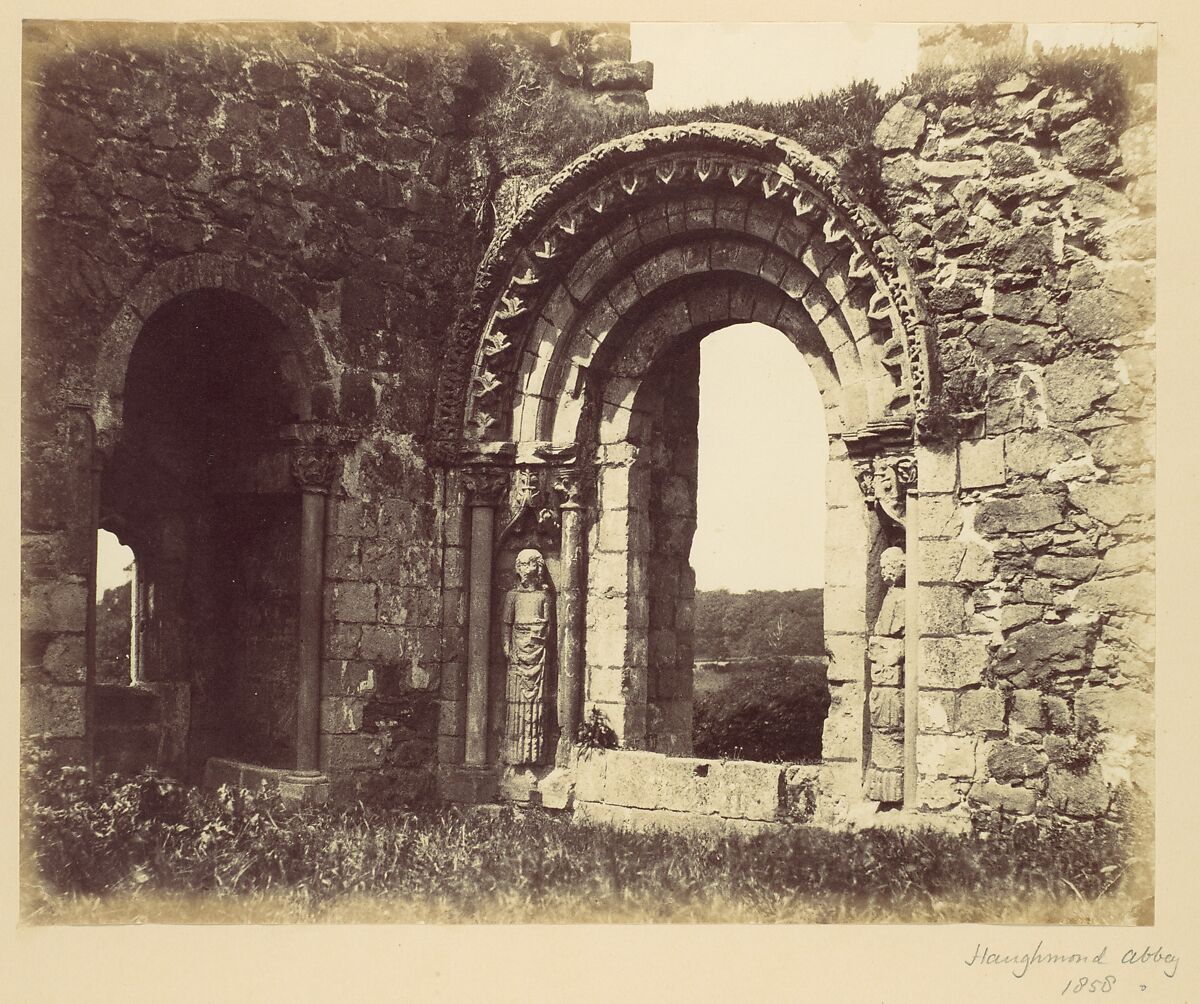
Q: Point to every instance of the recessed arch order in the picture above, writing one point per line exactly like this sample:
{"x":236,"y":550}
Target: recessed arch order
{"x":560,"y":361}
{"x":671,"y":214}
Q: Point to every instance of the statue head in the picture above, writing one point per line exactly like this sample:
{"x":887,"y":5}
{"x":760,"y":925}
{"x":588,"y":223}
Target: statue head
{"x":530,"y":566}
{"x":891,"y":565}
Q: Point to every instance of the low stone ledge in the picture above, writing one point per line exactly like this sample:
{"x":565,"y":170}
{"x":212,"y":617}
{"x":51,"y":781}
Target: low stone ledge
{"x":729,"y":789}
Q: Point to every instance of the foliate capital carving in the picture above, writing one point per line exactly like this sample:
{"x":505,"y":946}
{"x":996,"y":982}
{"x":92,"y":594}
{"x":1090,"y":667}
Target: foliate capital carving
{"x":886,"y":482}
{"x":574,"y":485}
{"x":485,"y":486}
{"x":315,"y":466}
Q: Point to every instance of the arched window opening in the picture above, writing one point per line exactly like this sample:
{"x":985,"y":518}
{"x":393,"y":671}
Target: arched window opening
{"x":119,"y":609}
{"x":737,"y":556}
{"x":200,"y":483}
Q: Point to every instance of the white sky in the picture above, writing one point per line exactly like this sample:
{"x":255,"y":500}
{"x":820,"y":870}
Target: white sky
{"x":761,"y":493}
{"x":113,"y":563}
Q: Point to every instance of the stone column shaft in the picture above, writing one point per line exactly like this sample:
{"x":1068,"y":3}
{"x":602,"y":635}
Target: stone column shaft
{"x":570,"y":619}
{"x":479,"y":629}
{"x":912,"y":644}
{"x":314,"y":467}
{"x":308,"y":694}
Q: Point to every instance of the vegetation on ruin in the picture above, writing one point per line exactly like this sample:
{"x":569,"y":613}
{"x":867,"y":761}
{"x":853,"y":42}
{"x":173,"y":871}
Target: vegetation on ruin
{"x":771,"y":710}
{"x":1101,"y":76}
{"x":533,"y":128}
{"x":145,"y":848}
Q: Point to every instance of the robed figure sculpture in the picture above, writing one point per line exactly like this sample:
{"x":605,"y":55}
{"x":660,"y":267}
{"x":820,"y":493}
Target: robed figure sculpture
{"x":526,"y":629}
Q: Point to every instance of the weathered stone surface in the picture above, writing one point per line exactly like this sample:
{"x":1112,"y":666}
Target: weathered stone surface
{"x":1143,"y":192}
{"x":1025,"y":306}
{"x":1111,"y":503}
{"x":981,"y":462}
{"x":1005,"y":797}
{"x":1084,"y":796}
{"x":1009,"y":761}
{"x":1027,"y":709}
{"x":1137,"y":239}
{"x":937,"y":469}
{"x":354,"y":602}
{"x":956,"y":118}
{"x":52,"y":711}
{"x":951,"y":663}
{"x":630,"y":779}
{"x":1023,"y":249}
{"x":1018,"y":83}
{"x":943,"y":609}
{"x":946,"y":756}
{"x":936,"y":710}
{"x":980,"y":710}
{"x":1086,"y":147}
{"x":1102,"y":315}
{"x":341,"y":714}
{"x":1070,"y":569}
{"x":1122,"y":710}
{"x":940,"y":560}
{"x":847,"y":657}
{"x":1037,"y":452}
{"x":1075,"y":384}
{"x":618,"y":75}
{"x":65,"y":658}
{"x":1034,"y":510}
{"x":1040,"y":650}
{"x":949,"y":170}
{"x":1013,"y":615}
{"x":1008,"y":160}
{"x":1005,"y":342}
{"x":1092,"y":200}
{"x":1139,"y":149}
{"x":902,"y":127}
{"x":751,"y":790}
{"x":58,"y":606}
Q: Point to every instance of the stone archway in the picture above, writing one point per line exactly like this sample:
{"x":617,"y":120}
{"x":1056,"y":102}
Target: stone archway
{"x":633,"y":252}
{"x":214,"y":417}
{"x":304,"y":361}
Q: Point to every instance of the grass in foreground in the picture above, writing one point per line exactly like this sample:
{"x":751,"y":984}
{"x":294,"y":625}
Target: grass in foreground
{"x":148,"y":850}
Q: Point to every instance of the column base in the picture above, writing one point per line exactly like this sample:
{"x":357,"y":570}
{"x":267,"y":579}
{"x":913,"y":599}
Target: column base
{"x":296,"y":787}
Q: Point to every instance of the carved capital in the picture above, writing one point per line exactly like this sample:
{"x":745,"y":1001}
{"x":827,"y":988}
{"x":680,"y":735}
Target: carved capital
{"x":886,"y":482}
{"x":575,"y":486}
{"x":314,"y":466}
{"x":486,"y":486}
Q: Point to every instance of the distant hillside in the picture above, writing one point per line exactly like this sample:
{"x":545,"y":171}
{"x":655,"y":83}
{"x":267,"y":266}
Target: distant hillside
{"x":758,"y":623}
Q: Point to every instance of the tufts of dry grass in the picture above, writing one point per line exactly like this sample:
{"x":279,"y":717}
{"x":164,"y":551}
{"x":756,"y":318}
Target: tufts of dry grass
{"x":144,"y":849}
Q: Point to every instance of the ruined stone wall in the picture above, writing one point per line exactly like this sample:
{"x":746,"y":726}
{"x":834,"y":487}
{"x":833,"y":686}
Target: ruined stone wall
{"x":352,"y":176}
{"x":342,"y":168}
{"x":1031,"y":224}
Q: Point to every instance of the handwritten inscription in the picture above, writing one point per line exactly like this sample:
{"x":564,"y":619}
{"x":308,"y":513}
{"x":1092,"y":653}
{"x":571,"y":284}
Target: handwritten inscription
{"x":1142,"y":958}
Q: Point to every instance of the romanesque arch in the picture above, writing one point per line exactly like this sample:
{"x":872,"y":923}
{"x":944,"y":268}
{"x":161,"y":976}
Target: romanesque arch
{"x":304,"y":360}
{"x":582,"y":312}
{"x":215,"y":449}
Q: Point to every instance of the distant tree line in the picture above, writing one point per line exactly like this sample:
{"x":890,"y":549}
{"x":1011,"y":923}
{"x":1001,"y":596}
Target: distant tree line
{"x":758,"y":623}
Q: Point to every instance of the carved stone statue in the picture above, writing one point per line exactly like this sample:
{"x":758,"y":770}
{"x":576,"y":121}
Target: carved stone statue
{"x":525,"y":633}
{"x":884,"y":781}
{"x":890,"y":622}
